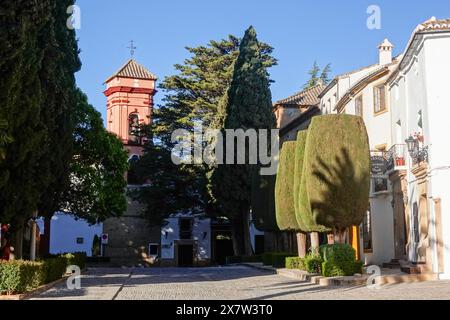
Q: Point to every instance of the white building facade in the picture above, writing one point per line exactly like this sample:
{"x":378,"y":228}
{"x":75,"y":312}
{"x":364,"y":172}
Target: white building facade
{"x":420,"y":100}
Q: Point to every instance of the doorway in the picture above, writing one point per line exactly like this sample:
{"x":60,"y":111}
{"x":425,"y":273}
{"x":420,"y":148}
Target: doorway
{"x":185,"y":255}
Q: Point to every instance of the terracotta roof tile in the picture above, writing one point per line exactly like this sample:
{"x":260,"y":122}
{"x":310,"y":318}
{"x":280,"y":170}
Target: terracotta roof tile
{"x":134,"y":70}
{"x":308,"y":97}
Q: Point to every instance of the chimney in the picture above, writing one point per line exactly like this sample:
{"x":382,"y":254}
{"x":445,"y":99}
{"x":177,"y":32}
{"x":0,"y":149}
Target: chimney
{"x":385,"y":50}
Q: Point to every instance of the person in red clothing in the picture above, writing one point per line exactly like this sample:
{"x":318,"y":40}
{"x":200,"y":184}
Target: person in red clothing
{"x":5,"y":245}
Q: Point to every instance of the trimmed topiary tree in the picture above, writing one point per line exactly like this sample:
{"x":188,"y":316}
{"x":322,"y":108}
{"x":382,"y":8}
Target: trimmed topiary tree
{"x":335,"y":180}
{"x":263,"y":202}
{"x":284,"y":187}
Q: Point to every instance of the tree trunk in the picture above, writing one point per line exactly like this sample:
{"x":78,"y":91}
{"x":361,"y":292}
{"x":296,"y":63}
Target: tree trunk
{"x":301,"y":244}
{"x":246,"y":233}
{"x":33,"y":238}
{"x":238,"y":236}
{"x":18,"y":242}
{"x":330,"y":237}
{"x":314,"y":242}
{"x":45,"y":240}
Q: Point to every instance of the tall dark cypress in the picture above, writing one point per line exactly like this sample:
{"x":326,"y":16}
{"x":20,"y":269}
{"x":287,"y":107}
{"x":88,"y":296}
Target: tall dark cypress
{"x":21,"y":99}
{"x":248,"y":106}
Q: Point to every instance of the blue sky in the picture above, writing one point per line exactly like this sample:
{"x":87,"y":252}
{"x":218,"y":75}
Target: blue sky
{"x":300,"y":31}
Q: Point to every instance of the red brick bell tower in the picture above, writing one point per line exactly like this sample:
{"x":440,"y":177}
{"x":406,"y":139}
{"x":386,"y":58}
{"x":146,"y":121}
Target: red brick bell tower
{"x":130,"y":92}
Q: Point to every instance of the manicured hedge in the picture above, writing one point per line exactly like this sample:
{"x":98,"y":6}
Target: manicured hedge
{"x":339,"y":260}
{"x":243,"y":259}
{"x":313,"y":263}
{"x":263,"y":202}
{"x":284,"y":193}
{"x":337,"y":252}
{"x":298,"y":171}
{"x":276,"y":259}
{"x":295,"y":263}
{"x":19,"y":276}
{"x":343,"y":268}
{"x":54,"y":268}
{"x":335,"y":180}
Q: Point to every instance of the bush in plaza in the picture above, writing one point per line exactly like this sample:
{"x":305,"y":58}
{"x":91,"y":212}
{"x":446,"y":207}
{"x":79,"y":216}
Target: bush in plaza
{"x":20,"y":276}
{"x":77,"y":259}
{"x":313,"y":263}
{"x":243,"y":259}
{"x":54,"y":268}
{"x":339,"y":260}
{"x":335,"y":179}
{"x":343,"y":268}
{"x":279,"y":259}
{"x":284,"y":196}
{"x":263,"y":202}
{"x":337,"y":252}
{"x":295,"y":263}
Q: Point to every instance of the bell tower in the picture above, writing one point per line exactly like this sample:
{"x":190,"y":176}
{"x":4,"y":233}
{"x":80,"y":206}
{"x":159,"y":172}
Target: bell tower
{"x":130,"y":92}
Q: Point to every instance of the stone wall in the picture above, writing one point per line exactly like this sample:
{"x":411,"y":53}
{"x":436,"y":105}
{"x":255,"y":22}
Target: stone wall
{"x":130,"y":236}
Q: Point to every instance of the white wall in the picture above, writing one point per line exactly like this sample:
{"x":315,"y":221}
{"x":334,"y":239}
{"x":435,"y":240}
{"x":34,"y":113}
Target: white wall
{"x":65,"y":230}
{"x":201,"y":233}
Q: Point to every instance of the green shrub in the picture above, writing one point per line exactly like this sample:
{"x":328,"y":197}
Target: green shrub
{"x":243,"y":259}
{"x":337,"y":252}
{"x":335,"y":179}
{"x":313,"y":263}
{"x":20,"y":276}
{"x":279,"y":259}
{"x":77,"y":259}
{"x":295,"y":263}
{"x":339,"y":260}
{"x":54,"y":269}
{"x":284,"y":196}
{"x":267,"y":258}
{"x":343,"y":268}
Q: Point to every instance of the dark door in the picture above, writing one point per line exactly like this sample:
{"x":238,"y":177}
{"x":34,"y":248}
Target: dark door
{"x":185,"y":255}
{"x":259,"y":244}
{"x":223,"y":249}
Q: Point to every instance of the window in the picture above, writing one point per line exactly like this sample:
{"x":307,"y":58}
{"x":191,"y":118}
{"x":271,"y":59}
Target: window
{"x":379,"y":99}
{"x":359,"y":106}
{"x":185,"y":229}
{"x":134,"y":128}
{"x":80,"y":240}
{"x":153,"y":249}
{"x":367,"y":232}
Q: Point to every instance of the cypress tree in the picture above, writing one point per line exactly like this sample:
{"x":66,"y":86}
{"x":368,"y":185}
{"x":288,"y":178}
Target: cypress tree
{"x":335,"y":181}
{"x":22,"y":22}
{"x":248,"y":106}
{"x":263,"y":202}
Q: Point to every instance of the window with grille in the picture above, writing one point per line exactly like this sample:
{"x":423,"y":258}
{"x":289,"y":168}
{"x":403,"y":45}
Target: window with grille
{"x":379,"y":99}
{"x":359,"y":106}
{"x":367,"y":232}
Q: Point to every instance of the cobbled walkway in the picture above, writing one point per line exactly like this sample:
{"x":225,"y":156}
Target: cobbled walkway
{"x":224,"y":283}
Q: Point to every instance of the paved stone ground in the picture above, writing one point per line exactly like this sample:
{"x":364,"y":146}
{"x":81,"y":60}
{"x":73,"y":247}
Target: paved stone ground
{"x":226,"y":283}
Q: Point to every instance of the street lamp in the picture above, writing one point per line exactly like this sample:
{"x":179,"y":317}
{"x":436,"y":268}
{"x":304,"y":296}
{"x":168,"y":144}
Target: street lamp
{"x":412,"y":144}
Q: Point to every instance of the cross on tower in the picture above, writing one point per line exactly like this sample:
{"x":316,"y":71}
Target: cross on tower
{"x":132,"y":48}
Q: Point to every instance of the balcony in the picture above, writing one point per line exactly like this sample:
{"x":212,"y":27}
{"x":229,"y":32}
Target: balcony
{"x":396,"y":158}
{"x":384,"y":163}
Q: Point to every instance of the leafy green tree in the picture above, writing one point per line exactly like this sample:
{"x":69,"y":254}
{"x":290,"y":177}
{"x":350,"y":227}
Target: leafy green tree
{"x":4,"y":138}
{"x":316,"y":76}
{"x":97,"y":170}
{"x":248,"y":106}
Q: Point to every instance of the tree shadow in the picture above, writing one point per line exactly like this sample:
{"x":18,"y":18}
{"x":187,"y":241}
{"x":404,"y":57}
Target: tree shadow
{"x":343,"y":195}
